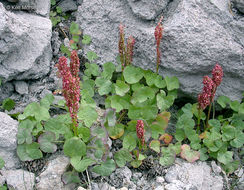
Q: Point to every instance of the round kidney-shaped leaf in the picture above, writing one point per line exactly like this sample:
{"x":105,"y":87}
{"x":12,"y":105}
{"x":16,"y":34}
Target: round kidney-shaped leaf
{"x":74,"y":147}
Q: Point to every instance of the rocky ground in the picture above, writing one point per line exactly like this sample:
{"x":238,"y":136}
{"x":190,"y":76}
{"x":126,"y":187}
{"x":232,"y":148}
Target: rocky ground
{"x":30,"y":49}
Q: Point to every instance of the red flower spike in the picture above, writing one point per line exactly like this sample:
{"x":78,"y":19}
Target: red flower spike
{"x":71,"y":87}
{"x":158,"y":33}
{"x":130,"y":47}
{"x":122,"y":45}
{"x":140,"y":131}
{"x":217,"y":74}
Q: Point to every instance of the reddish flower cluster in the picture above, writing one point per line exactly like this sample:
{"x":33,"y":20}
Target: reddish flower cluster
{"x":71,"y":80}
{"x":122,"y":45}
{"x":130,"y":46}
{"x":140,"y":131}
{"x":217,"y":74}
{"x":125,"y":54}
{"x":158,"y":33}
{"x":209,"y":88}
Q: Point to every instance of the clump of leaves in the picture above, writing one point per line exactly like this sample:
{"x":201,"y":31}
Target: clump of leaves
{"x":8,"y":104}
{"x":218,"y":141}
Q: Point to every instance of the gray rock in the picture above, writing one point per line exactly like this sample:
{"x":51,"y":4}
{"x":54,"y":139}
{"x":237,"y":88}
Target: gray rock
{"x":56,"y":43}
{"x":160,"y":188}
{"x":25,"y":50}
{"x":6,"y":90}
{"x":192,"y":175}
{"x":121,"y":177}
{"x":147,"y":10}
{"x":21,"y":87}
{"x":51,"y":177}
{"x":160,"y":180}
{"x":216,"y":169}
{"x":239,"y":4}
{"x":68,"y":5}
{"x":19,"y":179}
{"x":193,"y":41}
{"x":2,"y":180}
{"x":79,"y":2}
{"x":8,"y":140}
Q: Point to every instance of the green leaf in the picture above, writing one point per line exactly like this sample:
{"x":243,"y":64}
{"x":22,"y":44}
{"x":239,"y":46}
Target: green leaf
{"x":34,"y":109}
{"x":74,"y":28}
{"x":87,"y":88}
{"x":116,"y":132}
{"x":203,"y":154}
{"x":84,"y":133}
{"x":29,"y":152}
{"x":180,"y":134}
{"x":188,"y":154}
{"x":8,"y":104}
{"x":129,"y":142}
{"x":56,"y":126}
{"x":46,"y":141}
{"x":70,"y":177}
{"x":239,"y":140}
{"x":155,"y":145}
{"x":86,"y":39}
{"x":108,"y":69}
{"x":53,"y":2}
{"x":143,"y":113}
{"x":79,"y":164}
{"x":164,"y":102}
{"x":92,"y":69}
{"x":91,"y":56}
{"x":185,"y":121}
{"x":175,"y":147}
{"x":228,"y":132}
{"x":24,"y":135}
{"x":223,"y":101}
{"x":74,"y":147}
{"x":4,"y":187}
{"x":87,"y":114}
{"x":142,"y":95}
{"x":132,"y":74}
{"x":136,"y":163}
{"x":121,"y":88}
{"x":156,"y":130}
{"x":167,"y":158}
{"x":104,"y":85}
{"x":59,"y":9}
{"x":172,"y":83}
{"x":105,"y":169}
{"x":0,"y":81}
{"x":225,"y":157}
{"x":234,"y":105}
{"x":65,"y":50}
{"x":241,"y":109}
{"x":231,"y":167}
{"x":150,"y":77}
{"x":215,"y":124}
{"x":2,"y":163}
{"x":119,"y":103}
{"x":47,"y":101}
{"x":122,"y":156}
{"x":159,"y":82}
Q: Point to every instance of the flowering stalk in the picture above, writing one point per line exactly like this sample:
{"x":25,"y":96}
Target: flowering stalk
{"x":71,"y":86}
{"x":206,"y":98}
{"x":129,"y":53}
{"x":122,"y":46}
{"x":158,"y":33}
{"x":140,"y":131}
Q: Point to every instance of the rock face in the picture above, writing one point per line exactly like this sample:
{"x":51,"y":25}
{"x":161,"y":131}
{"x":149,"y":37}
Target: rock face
{"x":239,"y":4}
{"x":197,"y":34}
{"x":25,"y":51}
{"x":51,"y":177}
{"x":8,"y":141}
{"x":19,"y":179}
{"x":192,"y":176}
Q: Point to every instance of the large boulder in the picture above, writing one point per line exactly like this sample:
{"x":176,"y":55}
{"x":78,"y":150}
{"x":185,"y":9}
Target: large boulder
{"x":25,"y":49}
{"x":197,"y":34}
{"x":8,"y":141}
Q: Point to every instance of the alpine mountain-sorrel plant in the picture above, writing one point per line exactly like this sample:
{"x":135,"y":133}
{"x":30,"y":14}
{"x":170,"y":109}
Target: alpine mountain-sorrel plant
{"x":217,"y":137}
{"x":158,"y":33}
{"x":71,"y":86}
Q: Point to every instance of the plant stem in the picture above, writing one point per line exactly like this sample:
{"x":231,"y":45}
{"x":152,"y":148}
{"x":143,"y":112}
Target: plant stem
{"x":121,"y":116}
{"x":209,"y":111}
{"x":198,"y":121}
